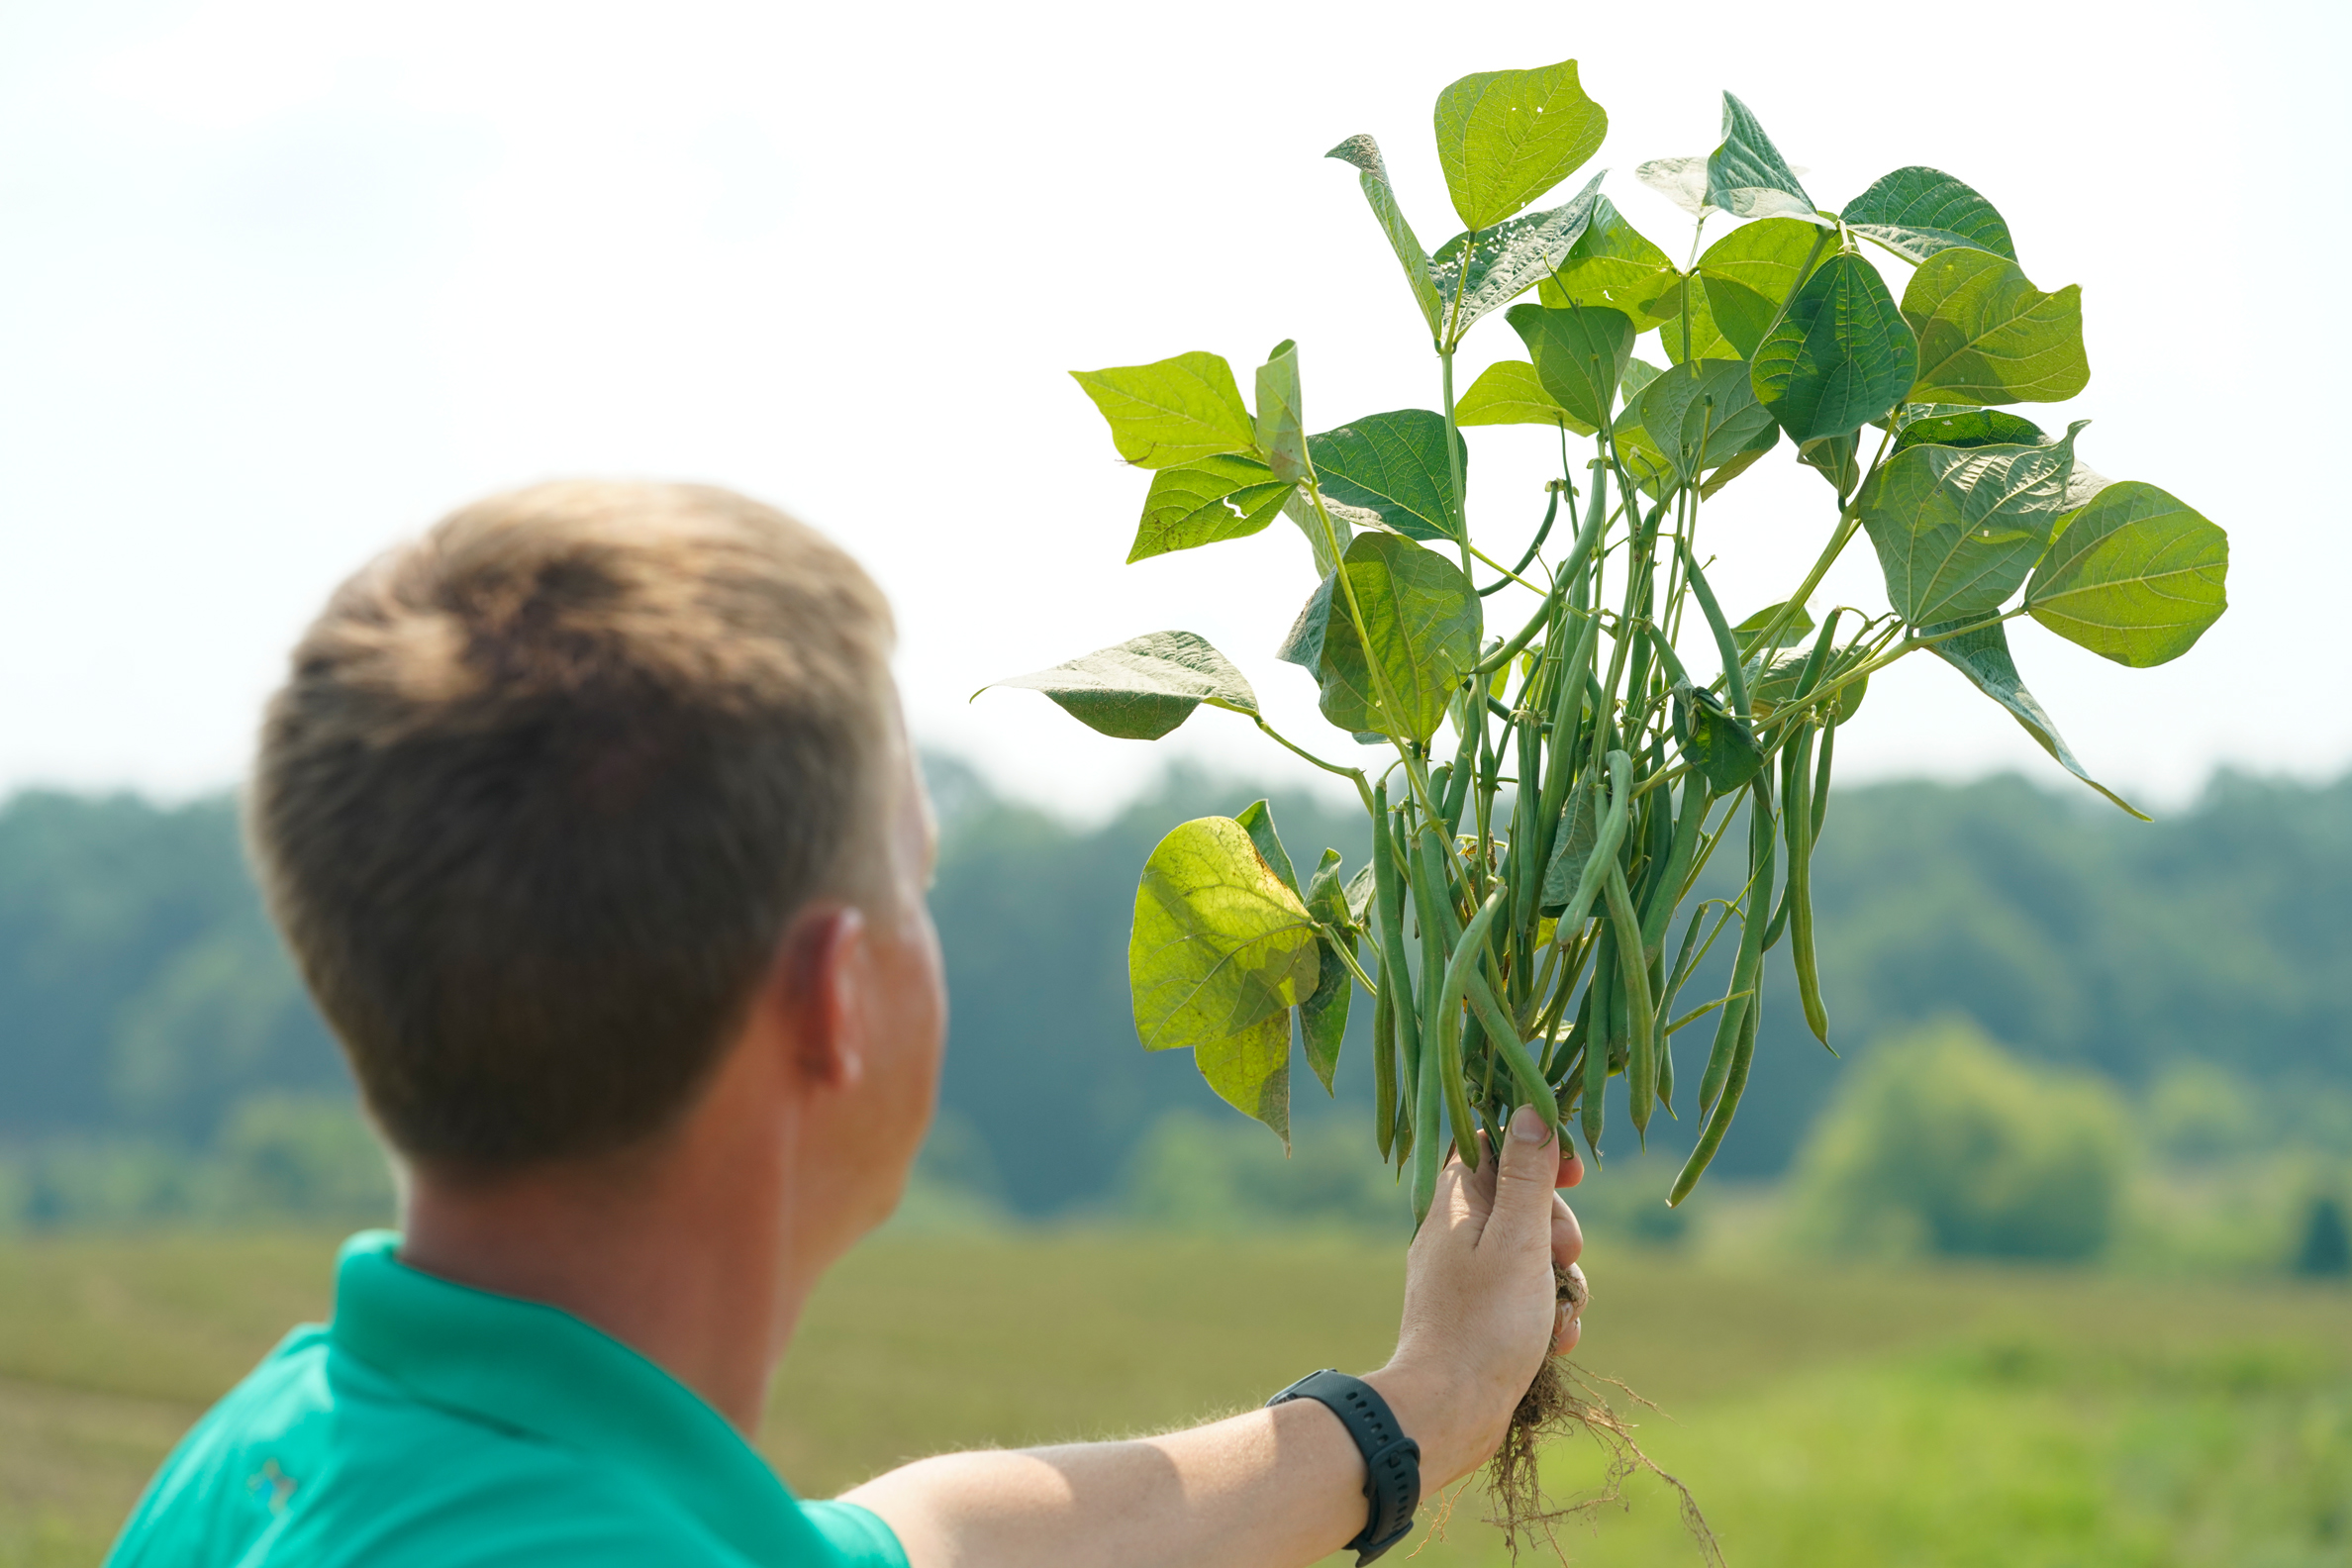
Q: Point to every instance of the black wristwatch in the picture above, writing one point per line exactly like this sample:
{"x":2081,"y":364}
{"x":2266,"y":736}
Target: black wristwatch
{"x":1392,"y":1460}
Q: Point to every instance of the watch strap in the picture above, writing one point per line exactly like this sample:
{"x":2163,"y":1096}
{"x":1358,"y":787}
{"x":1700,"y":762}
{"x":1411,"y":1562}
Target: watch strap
{"x":1392,"y":1460}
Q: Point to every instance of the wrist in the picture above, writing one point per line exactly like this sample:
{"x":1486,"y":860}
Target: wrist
{"x":1430,"y":1409}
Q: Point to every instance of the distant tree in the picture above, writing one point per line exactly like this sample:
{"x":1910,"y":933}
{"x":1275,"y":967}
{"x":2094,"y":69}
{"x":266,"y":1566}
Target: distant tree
{"x":1942,"y":1142}
{"x":2325,"y":1251}
{"x":1198,"y":1171}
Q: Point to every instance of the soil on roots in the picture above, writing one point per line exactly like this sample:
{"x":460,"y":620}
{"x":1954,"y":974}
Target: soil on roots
{"x":1563,"y":1399}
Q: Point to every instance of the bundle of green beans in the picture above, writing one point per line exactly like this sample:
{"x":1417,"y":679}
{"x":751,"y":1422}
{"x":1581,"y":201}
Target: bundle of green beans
{"x":1549,"y":800}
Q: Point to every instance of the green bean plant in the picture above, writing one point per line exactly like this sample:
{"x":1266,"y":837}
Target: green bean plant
{"x":1549,"y":791}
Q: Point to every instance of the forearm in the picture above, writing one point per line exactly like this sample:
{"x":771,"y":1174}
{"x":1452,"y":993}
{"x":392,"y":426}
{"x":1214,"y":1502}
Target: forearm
{"x":1268,"y":1489}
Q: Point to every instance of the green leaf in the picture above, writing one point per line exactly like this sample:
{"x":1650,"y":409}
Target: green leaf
{"x":1973,"y":428}
{"x":1910,"y":413}
{"x":1958,"y":527}
{"x":1733,"y":469}
{"x":1771,"y":686}
{"x":1612,"y":265}
{"x":1580,"y":353}
{"x":1749,"y":271}
{"x":1505,"y":138}
{"x":1634,"y":448}
{"x":1257,"y":821}
{"x":1572,"y":846}
{"x":1639,"y":374}
{"x":1837,"y":459}
{"x":1171,"y":411}
{"x":1681,"y":180}
{"x":2135,"y":577}
{"x":1841,"y":357}
{"x":1642,"y":457}
{"x":1364,"y":154}
{"x":1508,"y":392}
{"x":1748,"y":177}
{"x":1145,"y":687}
{"x":1322,"y":1016}
{"x":1983,"y":656}
{"x":1487,"y":271}
{"x":1424,"y":622}
{"x":1987,"y":336}
{"x":1703,"y":415}
{"x":1719,"y":745}
{"x":1281,"y":435}
{"x":1300,"y":508}
{"x":1916,"y":212}
{"x":1747,"y":632}
{"x":2082,"y":485}
{"x":1219,"y":952}
{"x":1204,"y":500}
{"x":1694,"y":330}
{"x":1393,"y":465}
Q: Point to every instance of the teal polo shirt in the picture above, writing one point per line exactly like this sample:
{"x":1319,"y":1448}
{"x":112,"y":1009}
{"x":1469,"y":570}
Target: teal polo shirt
{"x":433,"y":1423}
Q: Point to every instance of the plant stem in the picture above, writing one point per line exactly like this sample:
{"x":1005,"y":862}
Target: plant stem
{"x":1849,"y":518}
{"x":1453,"y":446}
{"x":1354,"y":776}
{"x":1509,"y":575}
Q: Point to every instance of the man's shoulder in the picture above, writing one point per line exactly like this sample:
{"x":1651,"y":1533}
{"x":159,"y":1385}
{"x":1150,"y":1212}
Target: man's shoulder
{"x":318,"y":1459}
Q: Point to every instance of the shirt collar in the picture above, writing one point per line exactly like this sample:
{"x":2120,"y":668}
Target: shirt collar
{"x":537,"y":1369}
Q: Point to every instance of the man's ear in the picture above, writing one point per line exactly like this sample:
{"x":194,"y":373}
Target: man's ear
{"x":823,"y":971}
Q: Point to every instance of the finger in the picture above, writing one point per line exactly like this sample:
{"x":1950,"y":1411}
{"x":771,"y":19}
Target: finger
{"x":1569,"y":1331}
{"x":1524,"y":1195}
{"x":1567,"y":1236}
{"x":1456,"y":1197}
{"x":1571,"y":1167}
{"x":1481,"y":1180}
{"x":1568,"y":1324}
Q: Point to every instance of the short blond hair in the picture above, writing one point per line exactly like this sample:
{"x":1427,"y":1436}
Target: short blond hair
{"x":542,"y":791}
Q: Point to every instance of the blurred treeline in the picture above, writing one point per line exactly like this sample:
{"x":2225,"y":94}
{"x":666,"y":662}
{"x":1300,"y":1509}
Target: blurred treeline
{"x":2171,"y":1005}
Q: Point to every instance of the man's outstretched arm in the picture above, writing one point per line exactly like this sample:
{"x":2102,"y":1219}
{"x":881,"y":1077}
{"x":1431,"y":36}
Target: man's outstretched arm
{"x":1285,"y":1486}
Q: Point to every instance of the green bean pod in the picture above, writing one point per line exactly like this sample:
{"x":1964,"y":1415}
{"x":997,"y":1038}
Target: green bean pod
{"x":1427,"y":1148}
{"x":1403,"y":1129}
{"x":1605,"y":838}
{"x":1435,"y":909}
{"x":1682,"y":964}
{"x":1750,"y":961}
{"x":1597,"y":1038}
{"x":1448,"y":1004}
{"x":1559,"y":1056}
{"x":1719,"y":1121}
{"x":1821,"y":794}
{"x":1641,"y":1018}
{"x":1567,"y":719}
{"x":1665,"y":1066}
{"x":1797,"y":818}
{"x":1571,"y":569}
{"x":1665,"y":886}
{"x":1726,"y":646}
{"x":1524,"y":1072}
{"x":1384,"y":1060}
{"x":1389,"y":906}
{"x":1458,"y":773}
{"x":1457,"y":1098}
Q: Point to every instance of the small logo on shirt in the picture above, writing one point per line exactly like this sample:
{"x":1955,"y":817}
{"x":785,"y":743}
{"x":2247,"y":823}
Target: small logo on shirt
{"x":275,"y":1482}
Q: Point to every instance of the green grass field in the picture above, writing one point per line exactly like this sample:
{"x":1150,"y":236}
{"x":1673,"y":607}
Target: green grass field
{"x":1822,"y":1418}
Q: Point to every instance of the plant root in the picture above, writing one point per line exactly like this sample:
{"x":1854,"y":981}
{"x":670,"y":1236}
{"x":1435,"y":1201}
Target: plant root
{"x":1565,"y":1399}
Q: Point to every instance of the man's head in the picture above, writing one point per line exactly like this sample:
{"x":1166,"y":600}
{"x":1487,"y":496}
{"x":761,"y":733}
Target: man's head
{"x":547,"y":794}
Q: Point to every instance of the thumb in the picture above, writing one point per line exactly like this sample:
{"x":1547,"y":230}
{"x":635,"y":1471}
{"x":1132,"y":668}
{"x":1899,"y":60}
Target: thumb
{"x":1523,"y":1178}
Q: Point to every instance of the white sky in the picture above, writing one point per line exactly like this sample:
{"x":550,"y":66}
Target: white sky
{"x":282,"y":282}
